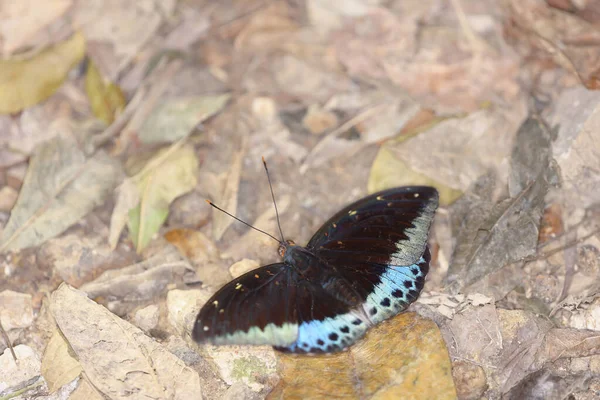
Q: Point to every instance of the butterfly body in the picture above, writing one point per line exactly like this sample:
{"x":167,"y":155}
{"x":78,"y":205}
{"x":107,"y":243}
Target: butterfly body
{"x":364,"y":265}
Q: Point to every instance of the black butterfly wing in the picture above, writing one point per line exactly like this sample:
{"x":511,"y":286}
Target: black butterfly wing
{"x":272,"y":305}
{"x":379,"y":245}
{"x":258,"y":307}
{"x":393,"y":223}
{"x":374,"y":249}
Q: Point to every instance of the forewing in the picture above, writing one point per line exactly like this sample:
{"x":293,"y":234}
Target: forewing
{"x":256,"y":308}
{"x":390,"y":227}
{"x":379,"y":245}
{"x":272,"y":305}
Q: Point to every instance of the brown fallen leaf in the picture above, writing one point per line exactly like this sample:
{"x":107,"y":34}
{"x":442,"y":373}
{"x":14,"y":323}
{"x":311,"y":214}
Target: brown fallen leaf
{"x":24,"y":83}
{"x":404,"y":357}
{"x":117,"y":358}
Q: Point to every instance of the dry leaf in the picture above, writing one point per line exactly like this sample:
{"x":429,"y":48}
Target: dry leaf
{"x":167,"y":175}
{"x":388,"y":171}
{"x":176,"y":118}
{"x":60,"y":188}
{"x":59,"y":367}
{"x":124,"y":27}
{"x":24,"y":21}
{"x":142,"y":281}
{"x":85,"y":391}
{"x":24,"y":83}
{"x":458,"y":151}
{"x":194,"y":245}
{"x":106,"y":98}
{"x":128,"y":197}
{"x":507,"y":234}
{"x":116,"y":357}
{"x":404,"y":357}
{"x":228,"y":196}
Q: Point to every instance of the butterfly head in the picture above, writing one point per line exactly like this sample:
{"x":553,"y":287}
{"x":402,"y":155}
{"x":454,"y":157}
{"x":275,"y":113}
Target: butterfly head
{"x":283,"y":247}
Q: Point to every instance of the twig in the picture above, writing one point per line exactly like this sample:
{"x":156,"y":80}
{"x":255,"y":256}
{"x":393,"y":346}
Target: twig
{"x":7,"y":340}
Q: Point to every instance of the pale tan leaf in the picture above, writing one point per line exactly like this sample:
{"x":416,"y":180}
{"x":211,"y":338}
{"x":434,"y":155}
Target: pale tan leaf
{"x":175,"y":119}
{"x":59,"y":367}
{"x":116,"y":357}
{"x":61,"y":187}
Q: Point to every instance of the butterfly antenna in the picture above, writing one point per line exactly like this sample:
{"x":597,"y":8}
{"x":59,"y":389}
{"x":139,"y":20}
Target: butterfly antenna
{"x":274,"y":202}
{"x":243,"y":222}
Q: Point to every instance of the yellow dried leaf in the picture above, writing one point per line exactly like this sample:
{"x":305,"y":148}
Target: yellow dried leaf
{"x":388,"y":171}
{"x":24,"y":83}
{"x":106,"y":98}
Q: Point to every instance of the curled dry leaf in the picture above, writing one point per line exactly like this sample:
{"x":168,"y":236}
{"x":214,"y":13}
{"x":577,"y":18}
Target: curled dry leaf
{"x":106,"y":98}
{"x":60,"y":188}
{"x":144,"y":199}
{"x":404,"y":357}
{"x":175,"y":118}
{"x":24,"y":83}
{"x":59,"y":367}
{"x":117,"y":358}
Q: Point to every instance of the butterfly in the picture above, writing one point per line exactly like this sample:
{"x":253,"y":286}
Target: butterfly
{"x":366,"y":264}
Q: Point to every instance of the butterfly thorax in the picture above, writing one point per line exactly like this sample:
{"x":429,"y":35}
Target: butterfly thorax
{"x":302,"y":260}
{"x":316,"y":271}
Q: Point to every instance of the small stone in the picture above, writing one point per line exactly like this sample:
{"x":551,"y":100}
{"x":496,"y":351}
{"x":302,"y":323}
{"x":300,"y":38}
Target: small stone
{"x":588,"y":260}
{"x":469,"y":379}
{"x":595,"y":364}
{"x":580,"y":364}
{"x":8,"y":198}
{"x":264,"y":108}
{"x":241,"y":267}
{"x":15,"y":376}
{"x":587,"y":318}
{"x":16,"y":311}
{"x":147,"y":318}
{"x":478,"y":299}
{"x":254,"y":366}
{"x":238,"y":391}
